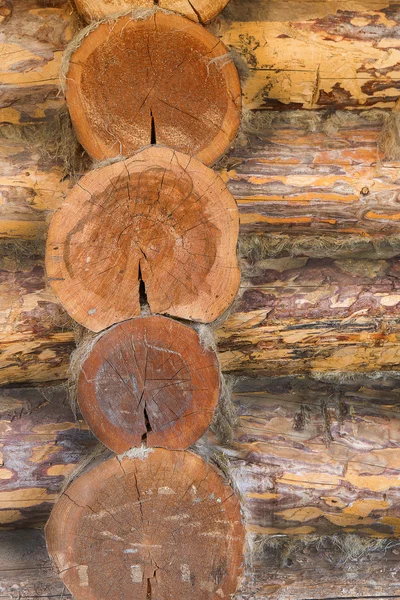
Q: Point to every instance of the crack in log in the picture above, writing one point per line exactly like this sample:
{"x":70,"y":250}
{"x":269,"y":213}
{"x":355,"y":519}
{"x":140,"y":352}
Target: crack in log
{"x":142,"y":288}
{"x":153,"y":134}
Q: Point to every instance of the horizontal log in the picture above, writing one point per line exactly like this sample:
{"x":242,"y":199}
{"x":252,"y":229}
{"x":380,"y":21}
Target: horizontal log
{"x":298,"y":172}
{"x":32,"y":42}
{"x":307,"y":570}
{"x":41,"y":442}
{"x":313,"y":54}
{"x":317,"y":457}
{"x":295,"y":315}
{"x":36,"y":337}
{"x":299,"y":54}
{"x":298,"y":315}
{"x":308,"y":456}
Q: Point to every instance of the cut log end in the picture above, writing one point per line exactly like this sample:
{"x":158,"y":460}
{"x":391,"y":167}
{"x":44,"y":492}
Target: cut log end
{"x":161,"y":80}
{"x":196,"y":10}
{"x":149,"y":381}
{"x":164,"y":526}
{"x":161,"y":224}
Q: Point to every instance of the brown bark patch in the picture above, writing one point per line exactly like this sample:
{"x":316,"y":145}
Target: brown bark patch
{"x":160,"y":79}
{"x":160,"y":224}
{"x":149,"y":380}
{"x":164,"y":526}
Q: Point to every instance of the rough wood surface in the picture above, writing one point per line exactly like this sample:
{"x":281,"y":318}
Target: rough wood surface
{"x":196,"y":10}
{"x":161,"y":221}
{"x":32,"y":40}
{"x":284,"y":571}
{"x":162,"y":79}
{"x":296,"y":315}
{"x":299,"y":315}
{"x":310,"y":457}
{"x":40,"y":444}
{"x":313,"y":54}
{"x":148,"y":380}
{"x":164,"y":525}
{"x":36,"y":339}
{"x":299,"y":173}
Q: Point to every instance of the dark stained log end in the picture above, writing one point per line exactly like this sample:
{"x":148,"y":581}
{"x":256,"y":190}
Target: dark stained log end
{"x":149,"y":381}
{"x":163,"y":525}
{"x":171,"y":80}
{"x":160,"y":222}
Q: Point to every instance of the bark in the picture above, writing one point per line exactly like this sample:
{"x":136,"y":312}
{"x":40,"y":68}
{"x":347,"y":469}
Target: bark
{"x":299,"y":315}
{"x":36,"y":336}
{"x":41,"y":443}
{"x":160,"y":222}
{"x":117,"y":527}
{"x":310,"y":457}
{"x":286,"y":178}
{"x":316,"y":54}
{"x":33,"y":38}
{"x":186,"y":96}
{"x":307,"y":457}
{"x":148,"y":380}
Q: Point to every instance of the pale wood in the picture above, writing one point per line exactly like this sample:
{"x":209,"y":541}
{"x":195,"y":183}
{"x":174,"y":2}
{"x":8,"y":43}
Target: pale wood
{"x":307,"y":457}
{"x":32,"y":40}
{"x":160,"y":217}
{"x":196,"y":10}
{"x":164,"y":525}
{"x":149,"y":380}
{"x":170,"y":82}
{"x":41,"y":442}
{"x":312,"y":54}
{"x":25,"y":572}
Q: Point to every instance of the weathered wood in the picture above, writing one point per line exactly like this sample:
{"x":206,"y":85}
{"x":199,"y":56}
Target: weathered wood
{"x":296,"y":315}
{"x":32,"y":41}
{"x":35,"y":333}
{"x":170,"y":83}
{"x":313,"y":54}
{"x":161,"y":525}
{"x":148,"y":380}
{"x":196,"y":10}
{"x":308,"y":456}
{"x":308,"y":173}
{"x":160,"y":220}
{"x":298,"y":173}
{"x":284,"y":570}
{"x":299,"y":315}
{"x":40,"y":444}
{"x":311,"y":457}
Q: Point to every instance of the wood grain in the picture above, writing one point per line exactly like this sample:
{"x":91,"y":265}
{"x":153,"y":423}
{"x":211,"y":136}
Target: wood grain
{"x":41,"y":442}
{"x":196,"y":10}
{"x":160,"y":220}
{"x":313,"y":54}
{"x":305,"y":573}
{"x":170,"y":83}
{"x":148,"y":380}
{"x":164,"y":525}
{"x":32,"y":41}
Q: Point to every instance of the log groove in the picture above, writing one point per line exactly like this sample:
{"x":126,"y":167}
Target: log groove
{"x":161,"y":526}
{"x":149,"y":380}
{"x":162,"y":79}
{"x":161,"y":218}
